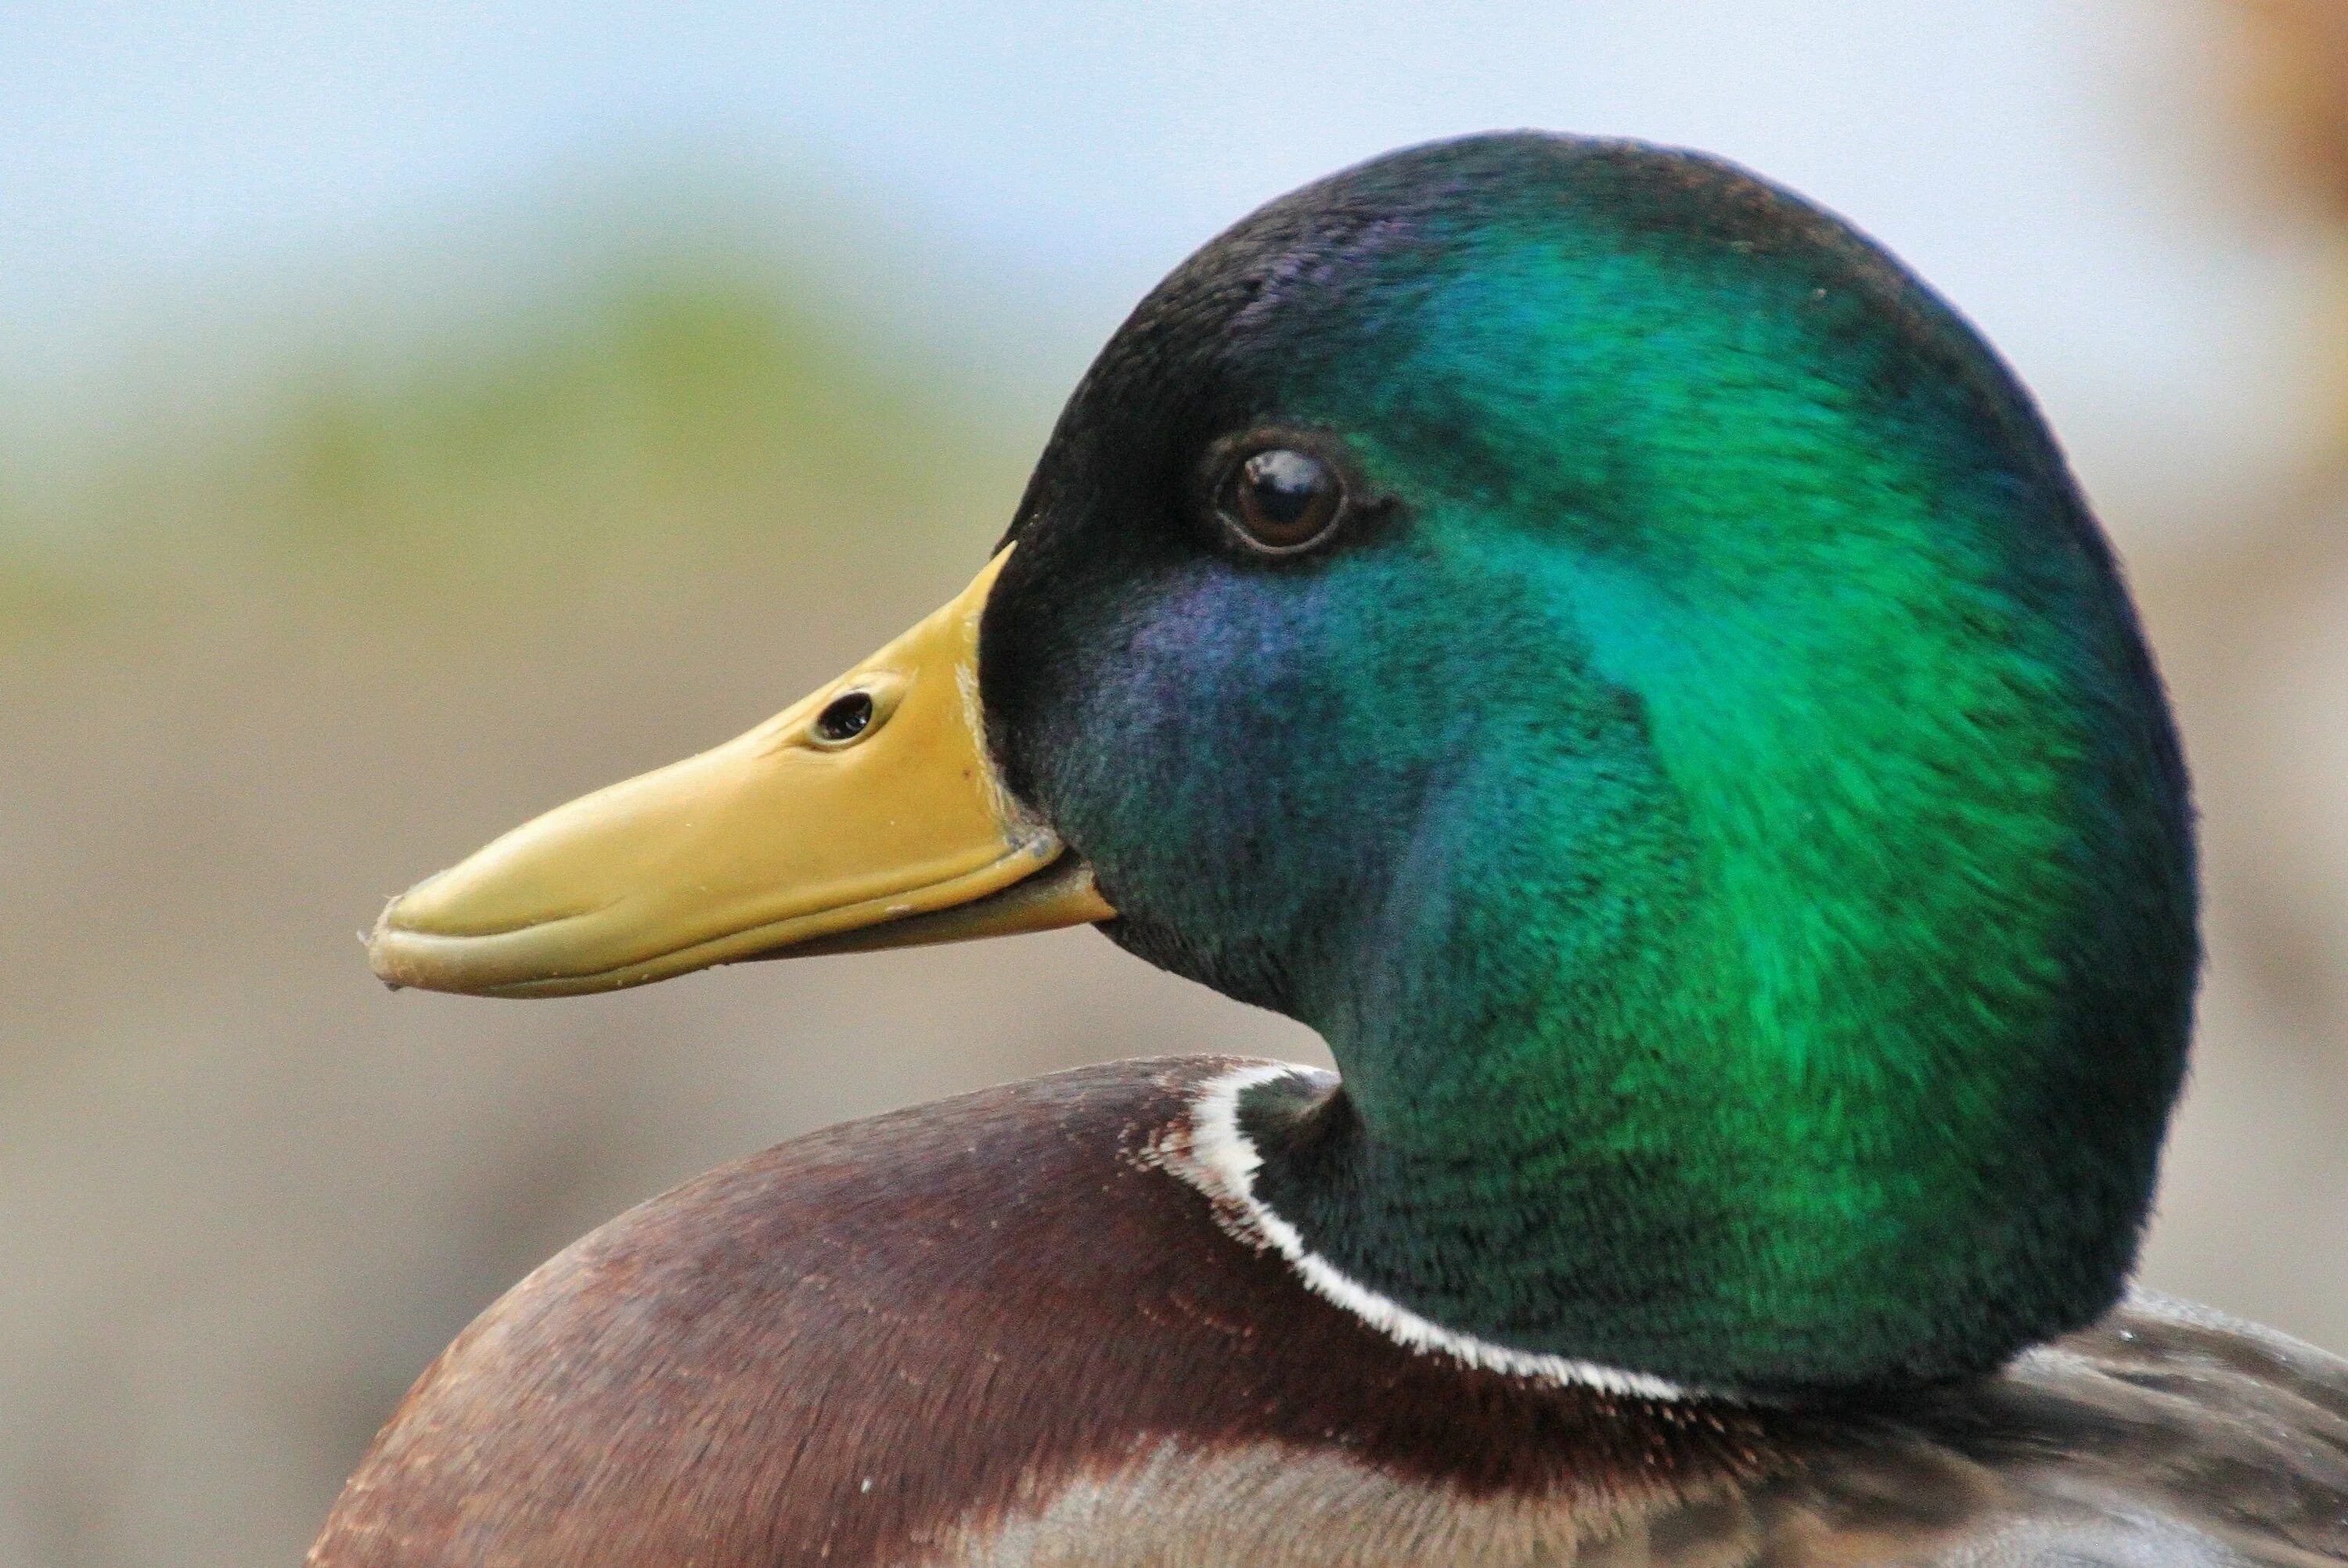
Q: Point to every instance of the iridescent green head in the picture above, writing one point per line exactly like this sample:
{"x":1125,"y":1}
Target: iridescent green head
{"x":1665,"y":713}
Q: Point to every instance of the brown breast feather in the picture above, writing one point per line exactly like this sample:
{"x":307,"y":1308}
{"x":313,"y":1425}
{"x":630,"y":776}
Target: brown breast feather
{"x":991,"y":1331}
{"x":896,"y":1339}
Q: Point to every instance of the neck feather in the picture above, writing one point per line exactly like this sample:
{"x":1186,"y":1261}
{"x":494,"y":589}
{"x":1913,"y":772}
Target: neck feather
{"x":1219,"y":1155}
{"x":1733,"y":1052}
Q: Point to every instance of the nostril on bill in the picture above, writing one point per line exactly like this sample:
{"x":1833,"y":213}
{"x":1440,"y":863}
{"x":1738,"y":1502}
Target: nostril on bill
{"x":844,"y":718}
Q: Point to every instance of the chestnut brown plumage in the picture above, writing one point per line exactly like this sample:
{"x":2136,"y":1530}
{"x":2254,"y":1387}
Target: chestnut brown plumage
{"x":992,"y":1330}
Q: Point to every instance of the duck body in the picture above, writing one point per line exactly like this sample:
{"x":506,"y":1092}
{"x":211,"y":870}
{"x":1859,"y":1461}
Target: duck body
{"x":1598,"y":640}
{"x":1007,"y":1329}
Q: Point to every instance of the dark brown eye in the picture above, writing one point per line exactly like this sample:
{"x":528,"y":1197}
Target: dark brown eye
{"x":1282,"y":500}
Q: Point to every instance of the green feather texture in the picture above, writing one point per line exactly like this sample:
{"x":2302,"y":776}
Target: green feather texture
{"x":1712,"y":791}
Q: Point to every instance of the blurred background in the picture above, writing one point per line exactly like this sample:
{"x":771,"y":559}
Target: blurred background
{"x":411,"y":415}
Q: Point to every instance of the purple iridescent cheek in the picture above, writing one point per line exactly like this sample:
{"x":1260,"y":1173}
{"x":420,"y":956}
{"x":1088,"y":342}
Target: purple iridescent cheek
{"x":1211,"y":630}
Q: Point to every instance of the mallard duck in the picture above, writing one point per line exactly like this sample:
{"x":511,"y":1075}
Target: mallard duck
{"x":1595,"y":638}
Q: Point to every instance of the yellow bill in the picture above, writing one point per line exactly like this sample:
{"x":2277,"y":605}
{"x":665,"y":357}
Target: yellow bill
{"x":867,"y":815}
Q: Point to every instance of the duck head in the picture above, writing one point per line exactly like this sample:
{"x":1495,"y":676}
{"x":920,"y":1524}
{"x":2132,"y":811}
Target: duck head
{"x":1596,"y":639}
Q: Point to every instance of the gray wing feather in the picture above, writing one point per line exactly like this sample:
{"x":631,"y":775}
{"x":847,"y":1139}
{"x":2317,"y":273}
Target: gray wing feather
{"x":2164,"y":1437}
{"x":2166,"y":1434}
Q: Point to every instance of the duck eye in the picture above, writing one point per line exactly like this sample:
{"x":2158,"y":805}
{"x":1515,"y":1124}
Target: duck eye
{"x":844,"y":718}
{"x":1282,"y":500}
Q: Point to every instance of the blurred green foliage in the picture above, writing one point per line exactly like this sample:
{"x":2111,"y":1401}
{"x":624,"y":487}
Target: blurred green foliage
{"x":692,"y":408}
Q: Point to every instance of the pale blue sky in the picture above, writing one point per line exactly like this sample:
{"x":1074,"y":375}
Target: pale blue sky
{"x":2027,"y":155}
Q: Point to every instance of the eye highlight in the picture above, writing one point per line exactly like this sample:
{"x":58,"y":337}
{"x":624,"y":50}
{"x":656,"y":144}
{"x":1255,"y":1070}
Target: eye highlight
{"x":1281,"y":499}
